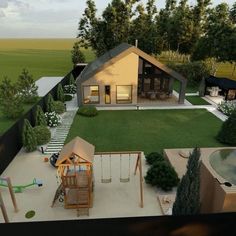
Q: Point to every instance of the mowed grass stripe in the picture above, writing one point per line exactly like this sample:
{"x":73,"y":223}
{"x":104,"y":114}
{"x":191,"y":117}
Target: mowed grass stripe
{"x":148,"y":131}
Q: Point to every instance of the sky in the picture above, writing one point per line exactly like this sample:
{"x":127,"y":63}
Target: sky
{"x":50,"y":18}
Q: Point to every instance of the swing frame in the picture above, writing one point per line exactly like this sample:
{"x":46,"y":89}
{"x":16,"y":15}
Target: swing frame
{"x":138,"y":166}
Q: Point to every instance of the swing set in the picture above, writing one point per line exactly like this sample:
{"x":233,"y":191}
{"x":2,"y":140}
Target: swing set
{"x":123,"y":179}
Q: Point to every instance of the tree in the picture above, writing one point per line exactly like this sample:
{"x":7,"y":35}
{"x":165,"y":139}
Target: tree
{"x":108,"y":31}
{"x":233,"y":13}
{"x":71,"y":81}
{"x":76,"y":54}
{"x":227,"y":134}
{"x":10,"y":101}
{"x":60,"y":93}
{"x":40,"y":119}
{"x":50,"y":103}
{"x":187,"y":200}
{"x":143,"y":28}
{"x":29,"y":137}
{"x":27,"y":87}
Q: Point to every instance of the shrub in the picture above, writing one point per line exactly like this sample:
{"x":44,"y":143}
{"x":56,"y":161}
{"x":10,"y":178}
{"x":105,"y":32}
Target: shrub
{"x":89,"y":111}
{"x":28,"y":137}
{"x":40,"y":118}
{"x":70,"y":89}
{"x":162,"y":175}
{"x":43,"y":134}
{"x":60,"y":93}
{"x":10,"y":102}
{"x":53,"y":119}
{"x":59,"y":107}
{"x":50,"y":103}
{"x":227,"y":107}
{"x":68,"y":97}
{"x":153,"y":157}
{"x":193,"y":71}
{"x":227,"y":134}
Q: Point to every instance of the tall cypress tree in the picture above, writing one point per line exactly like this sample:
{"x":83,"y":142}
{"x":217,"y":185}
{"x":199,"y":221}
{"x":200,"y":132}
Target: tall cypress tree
{"x":50,"y":103}
{"x":28,"y":137}
{"x":227,"y":134}
{"x":60,"y":93}
{"x":40,"y":118}
{"x":187,"y":200}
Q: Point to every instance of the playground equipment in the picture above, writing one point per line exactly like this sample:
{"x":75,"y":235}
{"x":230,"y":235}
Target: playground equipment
{"x":53,"y":159}
{"x":75,"y":175}
{"x":20,"y":188}
{"x":125,"y":179}
{"x":2,"y":205}
{"x":106,"y":180}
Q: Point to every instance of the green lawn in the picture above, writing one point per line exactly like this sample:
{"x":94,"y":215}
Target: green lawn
{"x":196,"y":100}
{"x":151,"y":130}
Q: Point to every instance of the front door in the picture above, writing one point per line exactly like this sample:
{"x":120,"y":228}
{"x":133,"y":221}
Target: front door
{"x":107,"y":94}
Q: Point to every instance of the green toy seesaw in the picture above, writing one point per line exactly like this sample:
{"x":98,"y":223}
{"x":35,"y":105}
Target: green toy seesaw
{"x":20,"y":188}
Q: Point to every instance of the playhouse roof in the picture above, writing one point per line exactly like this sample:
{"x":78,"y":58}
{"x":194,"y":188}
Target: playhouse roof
{"x":116,"y":54}
{"x":76,"y":147}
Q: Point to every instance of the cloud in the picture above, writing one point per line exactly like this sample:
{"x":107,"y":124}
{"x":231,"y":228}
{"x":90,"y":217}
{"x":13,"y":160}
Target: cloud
{"x":3,"y":3}
{"x":2,"y":14}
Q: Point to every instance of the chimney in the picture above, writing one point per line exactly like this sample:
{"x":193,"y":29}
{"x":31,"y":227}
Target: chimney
{"x":136,"y":43}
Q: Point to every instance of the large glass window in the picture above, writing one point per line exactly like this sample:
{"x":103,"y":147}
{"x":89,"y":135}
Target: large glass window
{"x":91,"y":94}
{"x":124,"y":94}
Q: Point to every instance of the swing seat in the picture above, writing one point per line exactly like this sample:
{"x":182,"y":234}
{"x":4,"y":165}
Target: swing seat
{"x":124,"y":180}
{"x":106,"y":181}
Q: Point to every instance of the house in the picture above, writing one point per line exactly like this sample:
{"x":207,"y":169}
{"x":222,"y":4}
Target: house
{"x":123,"y":75}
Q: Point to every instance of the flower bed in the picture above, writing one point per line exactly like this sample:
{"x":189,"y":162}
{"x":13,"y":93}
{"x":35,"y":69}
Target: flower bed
{"x":53,"y":119}
{"x":227,"y":107}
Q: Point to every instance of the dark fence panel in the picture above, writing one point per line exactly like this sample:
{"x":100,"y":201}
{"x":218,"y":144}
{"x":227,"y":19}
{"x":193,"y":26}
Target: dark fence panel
{"x":11,"y":141}
{"x":199,"y":225}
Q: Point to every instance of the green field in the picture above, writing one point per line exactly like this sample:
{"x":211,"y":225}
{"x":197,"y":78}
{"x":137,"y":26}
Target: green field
{"x":42,"y":57}
{"x":148,"y":131}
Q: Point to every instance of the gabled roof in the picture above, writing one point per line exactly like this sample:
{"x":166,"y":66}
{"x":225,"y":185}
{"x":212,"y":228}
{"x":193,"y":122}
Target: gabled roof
{"x":76,"y":147}
{"x":118,"y":53}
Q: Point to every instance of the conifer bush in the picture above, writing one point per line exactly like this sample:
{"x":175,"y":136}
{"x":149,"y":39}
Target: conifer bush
{"x":60,"y":93}
{"x":43,"y":134}
{"x":153,"y":157}
{"x":27,"y":87}
{"x":28,"y":137}
{"x":162,"y":175}
{"x":187,"y":200}
{"x":40,"y":119}
{"x":50,"y":103}
{"x":59,"y":107}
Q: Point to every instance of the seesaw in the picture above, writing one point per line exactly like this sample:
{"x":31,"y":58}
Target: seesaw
{"x":20,"y":188}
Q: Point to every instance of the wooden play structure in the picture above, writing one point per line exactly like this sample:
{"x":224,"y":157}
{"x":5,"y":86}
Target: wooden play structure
{"x":2,"y":205}
{"x":75,"y":174}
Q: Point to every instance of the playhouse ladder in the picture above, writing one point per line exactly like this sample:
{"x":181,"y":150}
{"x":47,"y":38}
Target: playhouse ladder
{"x":57,"y":194}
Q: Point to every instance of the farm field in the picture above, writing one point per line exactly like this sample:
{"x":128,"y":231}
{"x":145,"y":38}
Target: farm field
{"x":42,"y":57}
